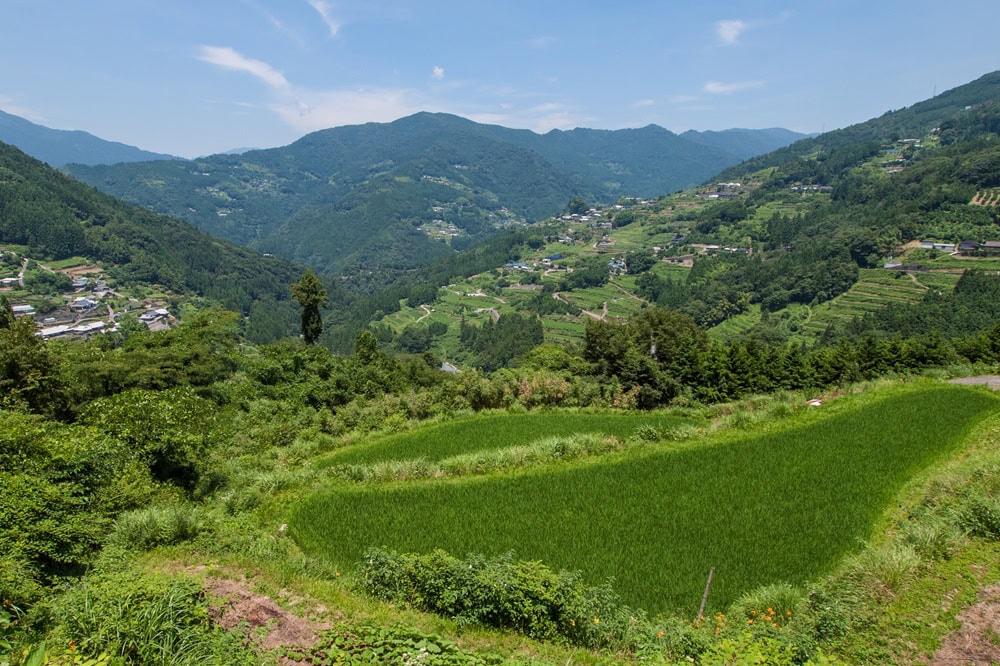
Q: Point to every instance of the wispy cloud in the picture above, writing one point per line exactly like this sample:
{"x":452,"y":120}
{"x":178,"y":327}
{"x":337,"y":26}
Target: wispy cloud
{"x":438,"y":73}
{"x":227,"y":58}
{"x":325,"y":10}
{"x":729,"y":31}
{"x":309,"y":111}
{"x":720,"y":88}
{"x":541,"y":41}
{"x":643,"y":103}
{"x":9,"y":105}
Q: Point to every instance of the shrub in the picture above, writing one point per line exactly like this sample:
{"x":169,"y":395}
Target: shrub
{"x":526,"y":597}
{"x":387,"y":645}
{"x":154,"y":526}
{"x":153,"y":619}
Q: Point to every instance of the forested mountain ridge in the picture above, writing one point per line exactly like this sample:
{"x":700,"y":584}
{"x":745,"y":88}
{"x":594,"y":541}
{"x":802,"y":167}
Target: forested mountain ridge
{"x":909,"y":122}
{"x":388,"y":196}
{"x":59,"y":147}
{"x":789,"y":246}
{"x":56,"y":217}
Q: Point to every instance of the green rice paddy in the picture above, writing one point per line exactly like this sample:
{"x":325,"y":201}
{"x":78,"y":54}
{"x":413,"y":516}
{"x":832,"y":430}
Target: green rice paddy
{"x":783,"y":506}
{"x":485,"y":433}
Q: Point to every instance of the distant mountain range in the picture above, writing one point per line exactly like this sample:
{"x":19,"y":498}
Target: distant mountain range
{"x":60,"y":147}
{"x":381,"y":198}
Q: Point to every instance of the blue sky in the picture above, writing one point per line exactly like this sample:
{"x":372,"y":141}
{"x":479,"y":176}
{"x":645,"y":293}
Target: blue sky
{"x":195,"y":77}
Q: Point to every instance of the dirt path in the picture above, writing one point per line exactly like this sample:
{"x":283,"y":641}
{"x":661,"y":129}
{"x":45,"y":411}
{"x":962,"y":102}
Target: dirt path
{"x":628,"y":293}
{"x":594,"y":315}
{"x":427,"y":313}
{"x":975,"y":643}
{"x":918,"y":282}
{"x":269,"y":625}
{"x":494,"y":315}
{"x":989,"y":381}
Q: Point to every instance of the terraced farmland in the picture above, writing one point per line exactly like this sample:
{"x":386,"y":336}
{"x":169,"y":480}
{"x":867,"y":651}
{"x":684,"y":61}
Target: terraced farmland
{"x":490,"y":432}
{"x":783,"y":506}
{"x":874,"y":290}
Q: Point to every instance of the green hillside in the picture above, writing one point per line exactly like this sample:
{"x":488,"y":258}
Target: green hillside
{"x":362,"y":199}
{"x":55,"y":217}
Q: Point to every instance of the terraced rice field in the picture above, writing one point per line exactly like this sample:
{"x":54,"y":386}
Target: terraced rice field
{"x":874,"y":290}
{"x":782,"y":506}
{"x":490,"y":432}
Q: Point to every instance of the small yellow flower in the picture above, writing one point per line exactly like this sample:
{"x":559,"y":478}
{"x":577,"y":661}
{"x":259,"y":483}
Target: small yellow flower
{"x":597,"y":620}
{"x":660,"y":634}
{"x":337,"y":574}
{"x":749,"y":621}
{"x":572,"y":623}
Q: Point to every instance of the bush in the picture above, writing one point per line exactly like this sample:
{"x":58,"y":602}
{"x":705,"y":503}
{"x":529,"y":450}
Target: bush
{"x":154,"y":526}
{"x":526,"y":597}
{"x":143,"y":620}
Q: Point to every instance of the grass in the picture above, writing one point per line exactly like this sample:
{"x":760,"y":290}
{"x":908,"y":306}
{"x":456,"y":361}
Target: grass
{"x":490,"y":432}
{"x":779,"y":506}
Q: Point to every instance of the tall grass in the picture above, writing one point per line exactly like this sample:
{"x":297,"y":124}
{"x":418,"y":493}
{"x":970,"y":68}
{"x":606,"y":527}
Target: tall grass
{"x":784,"y":506}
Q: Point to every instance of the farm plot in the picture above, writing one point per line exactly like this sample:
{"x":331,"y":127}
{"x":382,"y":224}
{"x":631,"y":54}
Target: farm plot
{"x":782,"y":506}
{"x":483,"y":433}
{"x":873,"y":291}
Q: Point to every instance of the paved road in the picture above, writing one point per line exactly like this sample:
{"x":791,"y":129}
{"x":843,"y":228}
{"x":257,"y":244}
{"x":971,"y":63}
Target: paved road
{"x":991,"y":381}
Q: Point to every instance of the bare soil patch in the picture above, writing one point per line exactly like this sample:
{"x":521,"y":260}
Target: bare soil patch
{"x":977,"y":642}
{"x":268,"y":625}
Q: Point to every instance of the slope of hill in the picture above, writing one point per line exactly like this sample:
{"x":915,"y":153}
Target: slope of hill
{"x":59,"y":147}
{"x":379,"y":197}
{"x":778,"y":256}
{"x":55,"y":216}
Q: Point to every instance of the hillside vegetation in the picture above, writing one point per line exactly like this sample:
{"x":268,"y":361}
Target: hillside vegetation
{"x":387,"y":197}
{"x":54,"y":217}
{"x":645,"y":390}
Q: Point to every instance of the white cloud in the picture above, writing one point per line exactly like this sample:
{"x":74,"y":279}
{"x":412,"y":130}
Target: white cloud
{"x":227,"y":58}
{"x":719,"y":88}
{"x":309,"y":110}
{"x":438,"y":73}
{"x":642,"y":103}
{"x":730,"y":30}
{"x":325,"y":10}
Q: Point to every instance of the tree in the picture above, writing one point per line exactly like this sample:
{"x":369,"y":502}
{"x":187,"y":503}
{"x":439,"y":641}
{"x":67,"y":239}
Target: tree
{"x":6,"y":313}
{"x":311,"y":295}
{"x":577,"y":205}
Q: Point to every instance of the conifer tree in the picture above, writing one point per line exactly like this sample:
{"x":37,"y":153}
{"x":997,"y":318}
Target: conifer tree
{"x":311,"y":295}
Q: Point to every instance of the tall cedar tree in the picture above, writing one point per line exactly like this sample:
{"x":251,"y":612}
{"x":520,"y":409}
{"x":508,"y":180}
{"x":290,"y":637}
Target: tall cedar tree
{"x":311,"y":295}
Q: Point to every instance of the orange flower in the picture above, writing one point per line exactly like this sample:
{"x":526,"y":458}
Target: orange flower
{"x":659,"y":634}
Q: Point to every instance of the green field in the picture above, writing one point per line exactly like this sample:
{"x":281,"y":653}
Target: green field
{"x":483,"y":433}
{"x":875,"y":289}
{"x":783,"y":506}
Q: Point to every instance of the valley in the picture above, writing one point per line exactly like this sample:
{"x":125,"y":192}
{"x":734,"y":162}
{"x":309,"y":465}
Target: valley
{"x":523,"y":399}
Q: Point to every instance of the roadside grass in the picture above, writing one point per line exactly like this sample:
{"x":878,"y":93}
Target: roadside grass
{"x":784,"y":505}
